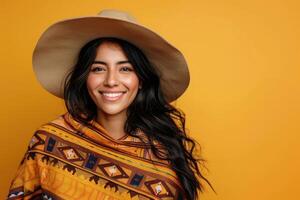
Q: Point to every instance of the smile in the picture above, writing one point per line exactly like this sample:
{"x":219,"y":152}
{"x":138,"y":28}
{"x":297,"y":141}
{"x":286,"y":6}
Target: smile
{"x":112,"y":96}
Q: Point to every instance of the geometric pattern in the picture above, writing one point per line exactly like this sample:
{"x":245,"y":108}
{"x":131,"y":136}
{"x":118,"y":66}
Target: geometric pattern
{"x":91,"y":161}
{"x":136,"y":180}
{"x":70,"y":153}
{"x":159,"y":188}
{"x":113,"y":170}
{"x":15,"y":194}
{"x":88,"y":164}
{"x":51,"y":144}
{"x":35,"y":141}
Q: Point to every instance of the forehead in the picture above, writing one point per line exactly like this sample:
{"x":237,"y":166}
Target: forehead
{"x":108,"y":47}
{"x":110,"y":53}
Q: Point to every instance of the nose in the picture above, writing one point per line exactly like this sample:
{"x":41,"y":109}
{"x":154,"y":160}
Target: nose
{"x":111,"y":79}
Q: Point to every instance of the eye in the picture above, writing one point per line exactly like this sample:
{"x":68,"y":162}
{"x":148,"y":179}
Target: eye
{"x":127,"y":69}
{"x":97,"y":69}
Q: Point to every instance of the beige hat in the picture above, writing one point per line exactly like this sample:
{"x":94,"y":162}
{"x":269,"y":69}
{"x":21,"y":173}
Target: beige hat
{"x":57,"y":50}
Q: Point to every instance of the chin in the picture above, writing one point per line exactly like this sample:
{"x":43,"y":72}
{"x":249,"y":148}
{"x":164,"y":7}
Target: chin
{"x":111,"y":111}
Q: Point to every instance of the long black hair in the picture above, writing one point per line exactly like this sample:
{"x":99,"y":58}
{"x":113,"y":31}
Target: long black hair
{"x":149,"y":112}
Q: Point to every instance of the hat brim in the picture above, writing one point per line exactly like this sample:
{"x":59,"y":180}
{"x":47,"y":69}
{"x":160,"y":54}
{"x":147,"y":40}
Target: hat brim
{"x":57,"y":50}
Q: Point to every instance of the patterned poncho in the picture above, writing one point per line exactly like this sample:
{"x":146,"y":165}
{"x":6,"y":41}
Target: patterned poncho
{"x":68,"y":160}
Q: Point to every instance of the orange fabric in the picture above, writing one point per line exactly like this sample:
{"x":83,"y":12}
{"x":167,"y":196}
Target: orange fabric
{"x":68,"y":160}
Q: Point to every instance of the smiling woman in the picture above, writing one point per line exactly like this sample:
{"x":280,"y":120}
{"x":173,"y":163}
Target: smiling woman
{"x":112,"y":84}
{"x":121,"y":137}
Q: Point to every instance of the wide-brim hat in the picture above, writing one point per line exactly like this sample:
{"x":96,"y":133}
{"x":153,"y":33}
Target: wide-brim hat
{"x":57,"y":50}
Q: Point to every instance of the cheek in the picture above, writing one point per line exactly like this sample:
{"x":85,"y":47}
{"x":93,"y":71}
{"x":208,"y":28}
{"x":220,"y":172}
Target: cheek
{"x":92,"y":82}
{"x":132,"y":83}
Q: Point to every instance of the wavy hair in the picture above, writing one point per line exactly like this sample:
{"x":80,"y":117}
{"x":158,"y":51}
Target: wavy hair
{"x":149,"y":112}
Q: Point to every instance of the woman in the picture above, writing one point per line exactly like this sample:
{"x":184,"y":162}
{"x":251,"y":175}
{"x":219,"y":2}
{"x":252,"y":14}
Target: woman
{"x":121,"y":138}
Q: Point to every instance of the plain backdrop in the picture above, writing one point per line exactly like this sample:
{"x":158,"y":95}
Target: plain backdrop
{"x":242,"y":104}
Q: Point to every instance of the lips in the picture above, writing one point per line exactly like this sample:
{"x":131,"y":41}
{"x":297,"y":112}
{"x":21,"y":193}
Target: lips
{"x":111,"y":96}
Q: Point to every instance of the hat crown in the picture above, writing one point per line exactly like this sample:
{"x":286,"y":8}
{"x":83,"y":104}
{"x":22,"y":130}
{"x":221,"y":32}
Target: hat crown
{"x":116,"y":14}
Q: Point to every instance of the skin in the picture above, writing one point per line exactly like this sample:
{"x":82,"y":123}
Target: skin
{"x":111,"y":72}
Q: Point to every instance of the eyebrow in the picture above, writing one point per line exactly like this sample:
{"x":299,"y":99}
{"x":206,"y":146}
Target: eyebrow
{"x":104,"y":63}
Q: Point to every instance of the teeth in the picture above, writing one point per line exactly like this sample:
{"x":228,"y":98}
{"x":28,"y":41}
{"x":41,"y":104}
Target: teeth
{"x":112,"y":94}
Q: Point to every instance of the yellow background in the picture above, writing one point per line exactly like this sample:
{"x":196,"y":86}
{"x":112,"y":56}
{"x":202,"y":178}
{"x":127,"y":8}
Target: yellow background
{"x":242,"y":104}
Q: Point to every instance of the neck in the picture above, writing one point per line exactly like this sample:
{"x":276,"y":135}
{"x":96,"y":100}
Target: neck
{"x":113,"y":124}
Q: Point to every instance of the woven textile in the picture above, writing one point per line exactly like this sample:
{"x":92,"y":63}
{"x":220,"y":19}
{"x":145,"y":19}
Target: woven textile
{"x":68,"y":160}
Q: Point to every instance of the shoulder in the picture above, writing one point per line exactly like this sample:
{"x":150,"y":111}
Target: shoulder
{"x":47,"y":134}
{"x":55,"y":126}
{"x":61,"y":121}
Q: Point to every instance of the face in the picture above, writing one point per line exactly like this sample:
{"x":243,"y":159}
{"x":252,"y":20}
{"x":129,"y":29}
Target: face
{"x":112,"y":82}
